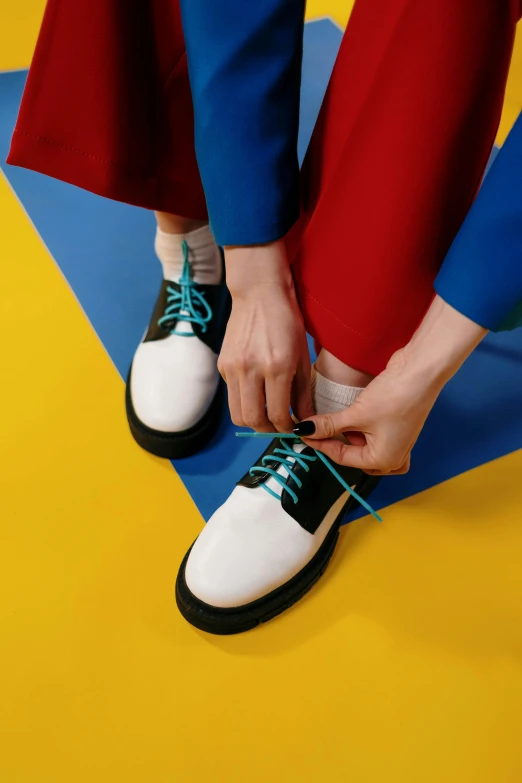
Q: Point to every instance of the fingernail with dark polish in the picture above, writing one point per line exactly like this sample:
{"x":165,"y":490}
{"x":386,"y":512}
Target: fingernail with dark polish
{"x":304,"y":428}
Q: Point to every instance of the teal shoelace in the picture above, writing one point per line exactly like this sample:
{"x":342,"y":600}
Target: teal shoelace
{"x":188,"y":304}
{"x":287,"y":457}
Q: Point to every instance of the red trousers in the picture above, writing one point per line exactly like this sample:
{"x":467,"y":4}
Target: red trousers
{"x":396,"y":158}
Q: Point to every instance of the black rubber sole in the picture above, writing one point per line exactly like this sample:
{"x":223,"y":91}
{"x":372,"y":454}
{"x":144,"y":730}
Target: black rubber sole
{"x":179,"y":444}
{"x":243,"y":618}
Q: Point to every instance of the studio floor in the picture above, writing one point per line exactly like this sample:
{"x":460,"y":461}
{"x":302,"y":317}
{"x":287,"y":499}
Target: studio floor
{"x":403,"y":665}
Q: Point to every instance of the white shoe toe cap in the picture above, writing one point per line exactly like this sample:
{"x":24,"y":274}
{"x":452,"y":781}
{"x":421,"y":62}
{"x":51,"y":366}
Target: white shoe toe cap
{"x":250,"y":547}
{"x":226,"y":572}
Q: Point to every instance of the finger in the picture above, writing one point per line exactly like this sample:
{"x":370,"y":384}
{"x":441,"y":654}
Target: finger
{"x":234,"y":401}
{"x":394,"y":472}
{"x":407,"y":464}
{"x":402,"y":470}
{"x":355,"y":438}
{"x":222,"y":364}
{"x":253,"y":403}
{"x":221,"y":370}
{"x":278,"y":389}
{"x":328,"y":425}
{"x":360,"y":456}
{"x":301,"y":397}
{"x":343,"y":453}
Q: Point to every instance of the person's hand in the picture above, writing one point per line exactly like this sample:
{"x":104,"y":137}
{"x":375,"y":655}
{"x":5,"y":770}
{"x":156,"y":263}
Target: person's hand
{"x":382,"y":425}
{"x":264,"y":358}
{"x":385,"y":421}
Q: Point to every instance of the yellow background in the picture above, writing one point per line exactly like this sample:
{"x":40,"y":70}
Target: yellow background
{"x":404,"y":666}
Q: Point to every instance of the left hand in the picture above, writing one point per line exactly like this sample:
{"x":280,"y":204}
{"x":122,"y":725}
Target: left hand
{"x":383,"y":424}
{"x":264,"y":358}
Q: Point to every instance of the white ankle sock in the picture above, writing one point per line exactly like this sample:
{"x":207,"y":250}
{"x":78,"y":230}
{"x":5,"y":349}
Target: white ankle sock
{"x":330,"y":397}
{"x":204,"y":255}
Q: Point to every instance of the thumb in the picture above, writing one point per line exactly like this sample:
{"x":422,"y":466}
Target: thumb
{"x":328,"y":425}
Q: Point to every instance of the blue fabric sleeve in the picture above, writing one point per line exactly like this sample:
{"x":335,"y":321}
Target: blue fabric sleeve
{"x":482,"y":273}
{"x":244,"y":62}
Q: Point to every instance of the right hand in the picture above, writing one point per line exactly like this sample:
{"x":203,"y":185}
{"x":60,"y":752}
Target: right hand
{"x":385,"y":421}
{"x":264,"y":358}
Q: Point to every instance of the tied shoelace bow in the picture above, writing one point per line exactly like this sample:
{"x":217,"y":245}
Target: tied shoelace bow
{"x":188,"y":304}
{"x":288,"y":459}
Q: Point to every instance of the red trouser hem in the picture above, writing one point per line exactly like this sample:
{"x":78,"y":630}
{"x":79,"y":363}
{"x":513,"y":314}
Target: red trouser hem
{"x":328,"y":329}
{"x":106,"y":178}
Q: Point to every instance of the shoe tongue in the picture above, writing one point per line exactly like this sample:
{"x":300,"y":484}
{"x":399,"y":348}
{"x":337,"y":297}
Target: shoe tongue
{"x":173,"y":270}
{"x":282,"y":471}
{"x":183,"y":327}
{"x":205,"y":266}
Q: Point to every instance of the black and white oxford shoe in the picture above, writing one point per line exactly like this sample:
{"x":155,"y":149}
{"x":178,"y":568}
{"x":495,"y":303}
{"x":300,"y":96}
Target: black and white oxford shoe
{"x":174,"y":392}
{"x":270,"y":541}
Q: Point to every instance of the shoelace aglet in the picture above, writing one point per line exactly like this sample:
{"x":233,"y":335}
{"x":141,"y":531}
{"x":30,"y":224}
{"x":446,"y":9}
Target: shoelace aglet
{"x":342,"y":482}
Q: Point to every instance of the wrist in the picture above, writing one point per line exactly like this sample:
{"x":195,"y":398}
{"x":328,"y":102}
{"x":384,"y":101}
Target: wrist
{"x":441,"y":344}
{"x":258,"y":266}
